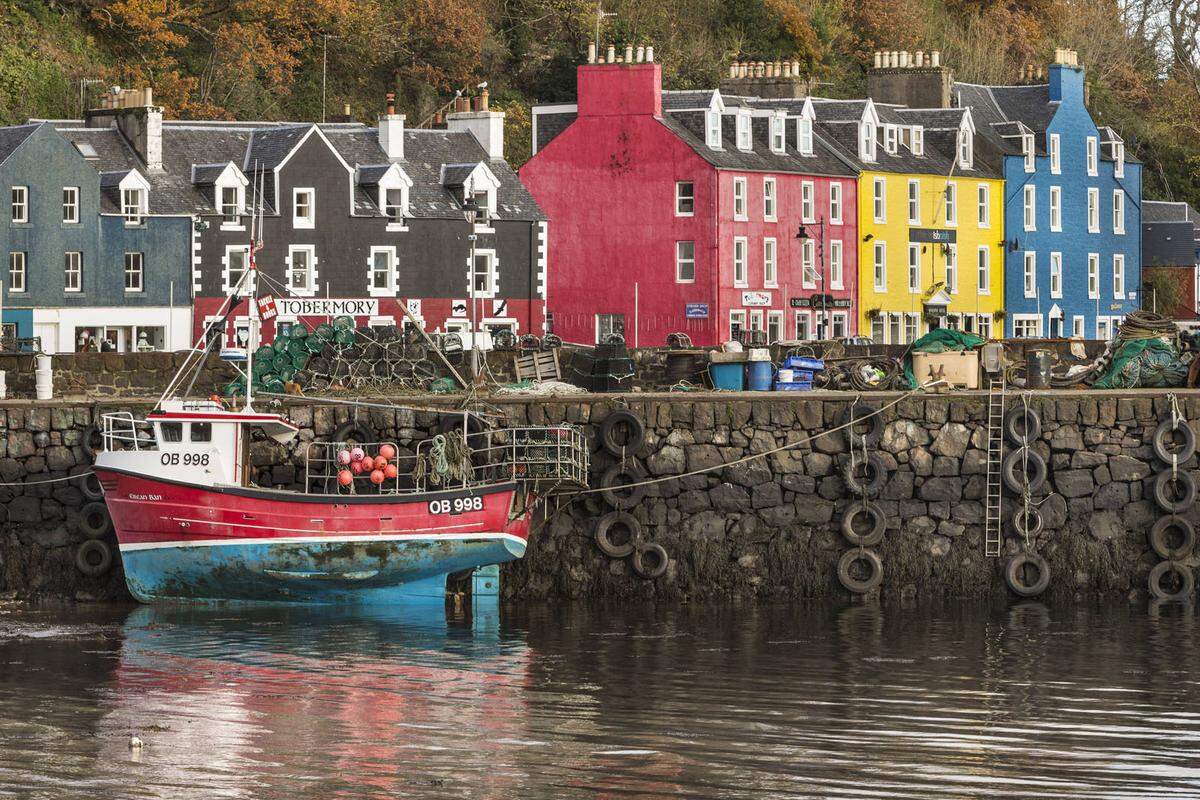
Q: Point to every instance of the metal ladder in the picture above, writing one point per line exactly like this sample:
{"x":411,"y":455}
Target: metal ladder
{"x":995,"y":458}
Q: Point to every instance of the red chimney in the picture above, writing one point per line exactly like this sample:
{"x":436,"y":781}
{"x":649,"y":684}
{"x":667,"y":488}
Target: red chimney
{"x":619,"y":89}
{"x":391,"y":103}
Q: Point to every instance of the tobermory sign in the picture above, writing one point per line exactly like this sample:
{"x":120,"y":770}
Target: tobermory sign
{"x":326,"y":307}
{"x":934,"y":235}
{"x":820,"y":301}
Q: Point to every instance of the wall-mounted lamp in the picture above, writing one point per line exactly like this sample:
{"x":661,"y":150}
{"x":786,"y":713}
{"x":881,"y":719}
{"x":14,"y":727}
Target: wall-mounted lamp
{"x":868,"y":237}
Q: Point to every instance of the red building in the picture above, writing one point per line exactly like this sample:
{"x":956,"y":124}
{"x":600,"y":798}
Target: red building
{"x":680,"y":211}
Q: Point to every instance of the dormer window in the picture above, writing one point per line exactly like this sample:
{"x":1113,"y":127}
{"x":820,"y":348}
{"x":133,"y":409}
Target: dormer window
{"x":777,"y":134}
{"x":804,"y":136}
{"x":231,"y":205}
{"x":1118,"y":159}
{"x":133,"y":205}
{"x":712,"y":129}
{"x":1028,"y":151}
{"x":391,"y":189}
{"x":394,"y":204}
{"x":743,"y":131}
{"x":889,"y":138}
{"x":965,"y":148}
{"x":866,"y":141}
{"x":484,"y":199}
{"x":1055,"y":154}
{"x":918,"y":140}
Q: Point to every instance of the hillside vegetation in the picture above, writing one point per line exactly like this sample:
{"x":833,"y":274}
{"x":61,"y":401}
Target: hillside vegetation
{"x":262,"y":59}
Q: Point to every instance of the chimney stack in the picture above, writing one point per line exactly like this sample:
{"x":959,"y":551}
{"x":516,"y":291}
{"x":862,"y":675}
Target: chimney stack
{"x":766,"y":79}
{"x":134,"y":114}
{"x":914,"y":79}
{"x":474,"y":117}
{"x":391,"y":129}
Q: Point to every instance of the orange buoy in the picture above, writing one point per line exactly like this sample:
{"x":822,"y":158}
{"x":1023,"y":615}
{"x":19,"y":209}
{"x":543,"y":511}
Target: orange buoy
{"x":377,"y":476}
{"x":387,"y":451}
{"x":345,"y":477}
{"x":390,"y":471}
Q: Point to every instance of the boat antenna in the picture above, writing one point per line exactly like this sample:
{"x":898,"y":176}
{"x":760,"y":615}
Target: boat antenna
{"x":252,"y":285}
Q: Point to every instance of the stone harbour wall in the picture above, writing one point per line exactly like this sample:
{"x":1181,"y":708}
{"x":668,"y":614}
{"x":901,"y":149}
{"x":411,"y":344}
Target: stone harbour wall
{"x":767,"y":529}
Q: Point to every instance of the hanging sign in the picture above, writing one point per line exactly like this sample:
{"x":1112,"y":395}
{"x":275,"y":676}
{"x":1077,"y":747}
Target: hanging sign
{"x":696,"y":310}
{"x":820,"y":301}
{"x":327,"y":307}
{"x":756,"y":298}
{"x":266,"y":307}
{"x":934,"y":235}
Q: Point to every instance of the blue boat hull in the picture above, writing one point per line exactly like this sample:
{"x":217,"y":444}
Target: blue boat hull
{"x":337,"y":571}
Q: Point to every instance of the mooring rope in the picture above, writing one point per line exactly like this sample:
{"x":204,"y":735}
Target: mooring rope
{"x":753,"y":456}
{"x":48,"y":480}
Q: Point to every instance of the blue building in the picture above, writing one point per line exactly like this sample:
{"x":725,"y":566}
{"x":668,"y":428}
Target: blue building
{"x":1073,"y":204}
{"x":87,"y":262}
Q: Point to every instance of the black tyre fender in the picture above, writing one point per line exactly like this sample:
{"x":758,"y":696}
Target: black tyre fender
{"x":872,"y":483}
{"x":1162,"y":448}
{"x":1014,"y":464}
{"x":454,"y":423}
{"x":609,"y":432}
{"x":1162,"y":494}
{"x":87,"y":482}
{"x":1028,"y":522}
{"x":1187,"y":581}
{"x":94,"y":521}
{"x":862,"y":414}
{"x":1160,"y":544}
{"x":1015,"y":577}
{"x":650,"y":561}
{"x":92,"y":441}
{"x":860,"y":585}
{"x":875,"y":518}
{"x":613,"y":481}
{"x":1022,"y":425}
{"x":352,"y":431}
{"x":604,"y":531}
{"x":93,"y":557}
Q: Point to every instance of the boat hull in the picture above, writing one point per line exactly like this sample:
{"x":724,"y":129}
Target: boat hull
{"x":182,"y":542}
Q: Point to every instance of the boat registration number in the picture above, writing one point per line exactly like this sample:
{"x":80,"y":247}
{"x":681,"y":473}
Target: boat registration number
{"x":456,"y":506}
{"x":186,"y":459}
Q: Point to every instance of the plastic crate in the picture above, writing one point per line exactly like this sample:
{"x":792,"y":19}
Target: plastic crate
{"x":803,"y":363}
{"x":794,"y":386}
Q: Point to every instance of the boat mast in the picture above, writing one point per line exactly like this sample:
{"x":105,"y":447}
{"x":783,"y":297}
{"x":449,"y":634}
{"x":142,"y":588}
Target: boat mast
{"x":252,"y":313}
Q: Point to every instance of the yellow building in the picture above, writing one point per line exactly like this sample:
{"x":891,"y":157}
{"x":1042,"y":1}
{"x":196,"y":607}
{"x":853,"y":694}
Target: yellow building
{"x":930,"y":219}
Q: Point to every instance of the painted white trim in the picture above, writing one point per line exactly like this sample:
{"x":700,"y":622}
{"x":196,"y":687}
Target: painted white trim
{"x":423,"y":533}
{"x":310,"y":221}
{"x":393,"y":268}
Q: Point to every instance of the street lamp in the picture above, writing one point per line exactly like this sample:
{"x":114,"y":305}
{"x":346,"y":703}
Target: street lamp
{"x":471,"y":213}
{"x":802,"y":234}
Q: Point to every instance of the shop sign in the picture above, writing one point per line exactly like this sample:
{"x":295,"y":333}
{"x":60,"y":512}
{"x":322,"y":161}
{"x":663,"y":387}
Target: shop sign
{"x":696,"y":310}
{"x":932,"y":235}
{"x":327,"y":307}
{"x":756,"y":298}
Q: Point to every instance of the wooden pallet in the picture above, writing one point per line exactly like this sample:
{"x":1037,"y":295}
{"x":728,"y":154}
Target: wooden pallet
{"x":540,"y":365}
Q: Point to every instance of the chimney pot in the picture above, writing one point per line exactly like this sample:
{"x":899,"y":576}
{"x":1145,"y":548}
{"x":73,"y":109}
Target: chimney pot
{"x":796,"y":69}
{"x":346,"y":110}
{"x":787,"y":69}
{"x":628,"y":53}
{"x":483,"y":100}
{"x":878,"y":60}
{"x":935,"y":58}
{"x":649,"y":54}
{"x":591,"y":52}
{"x":641,"y":54}
{"x":778,"y":69}
{"x":611,"y":53}
{"x":919,"y":58}
{"x":733,"y":67}
{"x":390,"y":103}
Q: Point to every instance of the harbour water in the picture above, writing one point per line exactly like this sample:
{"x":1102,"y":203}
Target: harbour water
{"x":584,"y":702}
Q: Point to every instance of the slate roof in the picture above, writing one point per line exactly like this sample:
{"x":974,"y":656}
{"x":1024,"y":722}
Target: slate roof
{"x":207,"y":173}
{"x":1163,"y":211}
{"x":1169,"y":243}
{"x":689,"y":127}
{"x":14,"y":137}
{"x":676,"y":100}
{"x":455,"y":175}
{"x":371,"y":174}
{"x":208,"y":143}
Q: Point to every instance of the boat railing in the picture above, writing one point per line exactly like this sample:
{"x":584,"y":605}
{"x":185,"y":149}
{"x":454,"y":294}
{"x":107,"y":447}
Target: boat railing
{"x":547,"y":455}
{"x":120,"y":430}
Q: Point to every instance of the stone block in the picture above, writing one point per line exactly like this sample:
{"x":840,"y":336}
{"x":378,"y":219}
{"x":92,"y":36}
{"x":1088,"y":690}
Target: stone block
{"x":703,"y":456}
{"x":1101,"y":475}
{"x":1111,"y":495}
{"x":20,"y":444}
{"x":59,"y":458}
{"x":1066,"y":437}
{"x":921,"y":461}
{"x":1084,"y":459}
{"x":25,"y":509}
{"x":814,"y":511}
{"x":1126,"y":468}
{"x":952,"y":440}
{"x":920,"y":526}
{"x":1074,"y":483}
{"x":903,"y":435}
{"x":945,"y":466}
{"x":899,"y":486}
{"x":727,"y":497}
{"x":800,"y":484}
{"x":1106,"y":525}
{"x":817,"y":464}
{"x":766,"y":495}
{"x":949,"y":489}
{"x":669,"y":460}
{"x":706,"y":526}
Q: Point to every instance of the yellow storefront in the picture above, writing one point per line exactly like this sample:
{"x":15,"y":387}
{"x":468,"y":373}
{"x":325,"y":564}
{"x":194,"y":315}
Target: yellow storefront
{"x":931,"y":255}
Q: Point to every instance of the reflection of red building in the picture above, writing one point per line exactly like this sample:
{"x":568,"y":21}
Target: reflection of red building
{"x":679,"y":211}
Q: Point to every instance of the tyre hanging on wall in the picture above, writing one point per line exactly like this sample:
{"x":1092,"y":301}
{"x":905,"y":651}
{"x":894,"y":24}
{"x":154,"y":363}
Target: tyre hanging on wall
{"x":864,"y":524}
{"x":1174,"y":441}
{"x":92,"y":442}
{"x":1028,"y":522}
{"x":87,"y":482}
{"x":94,"y":521}
{"x":352,"y":432}
{"x":1171,"y":581}
{"x":1168,"y":529}
{"x":622,"y":433}
{"x":867,"y":427}
{"x":615,"y":485}
{"x":650,"y":561}
{"x":1174,"y":491}
{"x":93,"y":557}
{"x":1023,"y":466}
{"x":1022,"y":425}
{"x":617,"y":546}
{"x":865,"y":477}
{"x":849,"y":570}
{"x":1027,"y":574}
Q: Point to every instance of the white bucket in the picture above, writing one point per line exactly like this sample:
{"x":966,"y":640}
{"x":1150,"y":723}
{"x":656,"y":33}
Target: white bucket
{"x":3,"y":386}
{"x":44,"y":379}
{"x":785,"y":375}
{"x":760,"y":354}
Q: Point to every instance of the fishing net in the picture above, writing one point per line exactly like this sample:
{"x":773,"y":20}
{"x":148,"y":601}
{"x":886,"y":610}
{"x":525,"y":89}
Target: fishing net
{"x":1144,"y":364}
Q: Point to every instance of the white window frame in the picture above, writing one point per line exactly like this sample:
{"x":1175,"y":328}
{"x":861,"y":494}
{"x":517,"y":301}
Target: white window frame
{"x":914,"y":268}
{"x":228,"y":220}
{"x":1028,"y":149}
{"x":19,"y":197}
{"x":1103,"y":329}
{"x":740,"y":210}
{"x":308,"y":220}
{"x":396,"y":213}
{"x":1056,"y":276}
{"x":837,"y":273}
{"x":966,"y":148}
{"x":839,"y":324}
{"x":983,"y":205}
{"x":681,"y":261}
{"x":73,"y":271}
{"x":983,"y":270}
{"x":681,"y":198}
{"x":808,"y":263}
{"x":775,"y":320}
{"x":712,"y":129}
{"x":70,"y":205}
{"x":983,"y":325}
{"x":951,"y":268}
{"x":835,"y":203}
{"x":741,"y":272}
{"x":951,"y":203}
{"x":778,"y":133}
{"x":1093,"y":276}
{"x":770,"y":263}
{"x":866,"y":141}
{"x":1118,"y":159}
{"x":1118,"y":268}
{"x":1029,"y":273}
{"x":1021,"y":323}
{"x":1056,"y":208}
{"x":138,"y":260}
{"x":745,"y":141}
{"x":227,"y":277}
{"x":17,"y":271}
{"x":804,"y":136}
{"x":918,"y":140}
{"x":1118,"y":212}
{"x":389,"y":290}
{"x":804,"y":332}
{"x":1093,"y":210}
{"x":1029,"y":206}
{"x":879,"y":266}
{"x":309,"y":289}
{"x":738,"y":316}
{"x":914,"y":202}
{"x":770,"y":196}
{"x":879,"y":199}
{"x":808,"y":202}
{"x":1078,"y":327}
{"x":1054,"y":145}
{"x":890,"y":138}
{"x":133,"y":205}
{"x":1093,"y":156}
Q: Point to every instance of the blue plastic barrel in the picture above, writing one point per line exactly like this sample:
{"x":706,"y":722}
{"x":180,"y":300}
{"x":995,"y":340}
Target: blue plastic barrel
{"x":759,"y":375}
{"x":728,"y":376}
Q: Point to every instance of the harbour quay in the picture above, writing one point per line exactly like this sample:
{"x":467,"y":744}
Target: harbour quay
{"x":712,"y":496}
